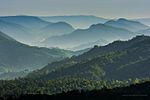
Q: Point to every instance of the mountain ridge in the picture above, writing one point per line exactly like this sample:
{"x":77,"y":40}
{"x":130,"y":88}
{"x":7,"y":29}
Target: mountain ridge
{"x":16,"y":56}
{"x":76,"y":20}
{"x":117,"y":60}
{"x":31,"y":30}
{"x":93,"y":33}
{"x":130,"y":25}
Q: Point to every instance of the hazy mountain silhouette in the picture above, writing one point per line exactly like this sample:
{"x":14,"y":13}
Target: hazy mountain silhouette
{"x":130,"y":25}
{"x":32,"y":30}
{"x":57,"y":29}
{"x":26,"y":21}
{"x":118,"y":60}
{"x":16,"y":31}
{"x":16,"y":56}
{"x":79,"y":21}
{"x":83,"y":36}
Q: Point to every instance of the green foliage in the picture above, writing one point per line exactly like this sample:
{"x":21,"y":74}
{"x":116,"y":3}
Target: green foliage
{"x":21,"y":86}
{"x":116,"y":65}
{"x":118,"y":60}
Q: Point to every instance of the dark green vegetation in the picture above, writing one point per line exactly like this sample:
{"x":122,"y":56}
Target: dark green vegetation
{"x":118,"y":60}
{"x":117,"y":64}
{"x":20,"y":87}
{"x":136,"y":89}
{"x":133,"y":92}
{"x":15,"y":56}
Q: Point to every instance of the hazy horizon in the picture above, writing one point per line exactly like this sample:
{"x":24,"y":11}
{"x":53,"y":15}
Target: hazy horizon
{"x":77,"y":15}
{"x":101,"y":8}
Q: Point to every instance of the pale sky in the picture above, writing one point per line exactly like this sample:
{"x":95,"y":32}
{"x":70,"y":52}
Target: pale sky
{"x":101,"y":8}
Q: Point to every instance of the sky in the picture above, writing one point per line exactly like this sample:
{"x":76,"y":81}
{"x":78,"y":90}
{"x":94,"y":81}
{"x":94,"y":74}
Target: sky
{"x":101,"y":8}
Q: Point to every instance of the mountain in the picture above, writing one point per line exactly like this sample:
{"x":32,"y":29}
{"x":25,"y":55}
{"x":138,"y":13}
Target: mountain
{"x":145,"y":21}
{"x":80,"y":21}
{"x":31,"y":30}
{"x":15,"y":56}
{"x":57,"y":29}
{"x":130,"y":25}
{"x":23,"y":28}
{"x":119,"y":60}
{"x":26,"y":21}
{"x":16,"y":31}
{"x":94,"y":33}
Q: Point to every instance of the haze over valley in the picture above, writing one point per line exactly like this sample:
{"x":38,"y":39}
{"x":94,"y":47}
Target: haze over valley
{"x":80,"y":48}
{"x":35,"y":41}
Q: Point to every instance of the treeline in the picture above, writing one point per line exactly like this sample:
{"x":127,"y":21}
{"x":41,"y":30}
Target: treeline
{"x":18,"y":87}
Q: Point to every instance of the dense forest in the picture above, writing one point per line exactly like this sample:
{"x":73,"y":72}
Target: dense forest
{"x":119,"y":60}
{"x":42,"y":60}
{"x":68,"y":87}
{"x":116,"y":65}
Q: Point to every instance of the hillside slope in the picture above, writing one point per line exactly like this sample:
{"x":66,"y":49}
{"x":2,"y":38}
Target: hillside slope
{"x":118,"y":60}
{"x":15,"y":56}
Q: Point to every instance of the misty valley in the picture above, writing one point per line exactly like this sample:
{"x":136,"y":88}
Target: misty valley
{"x":78,"y":56}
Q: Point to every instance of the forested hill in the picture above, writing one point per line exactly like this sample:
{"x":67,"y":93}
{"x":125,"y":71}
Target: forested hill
{"x":15,"y":56}
{"x":100,"y":70}
{"x":118,"y":60}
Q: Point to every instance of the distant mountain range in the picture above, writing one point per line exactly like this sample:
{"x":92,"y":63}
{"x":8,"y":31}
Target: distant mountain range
{"x":32,"y":30}
{"x":16,"y":31}
{"x":105,"y":54}
{"x":79,"y":21}
{"x":57,"y":31}
{"x":118,"y":60}
{"x":15,"y":56}
{"x":132,"y":26}
{"x":30,"y":22}
{"x":94,"y":33}
{"x":109,"y":31}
